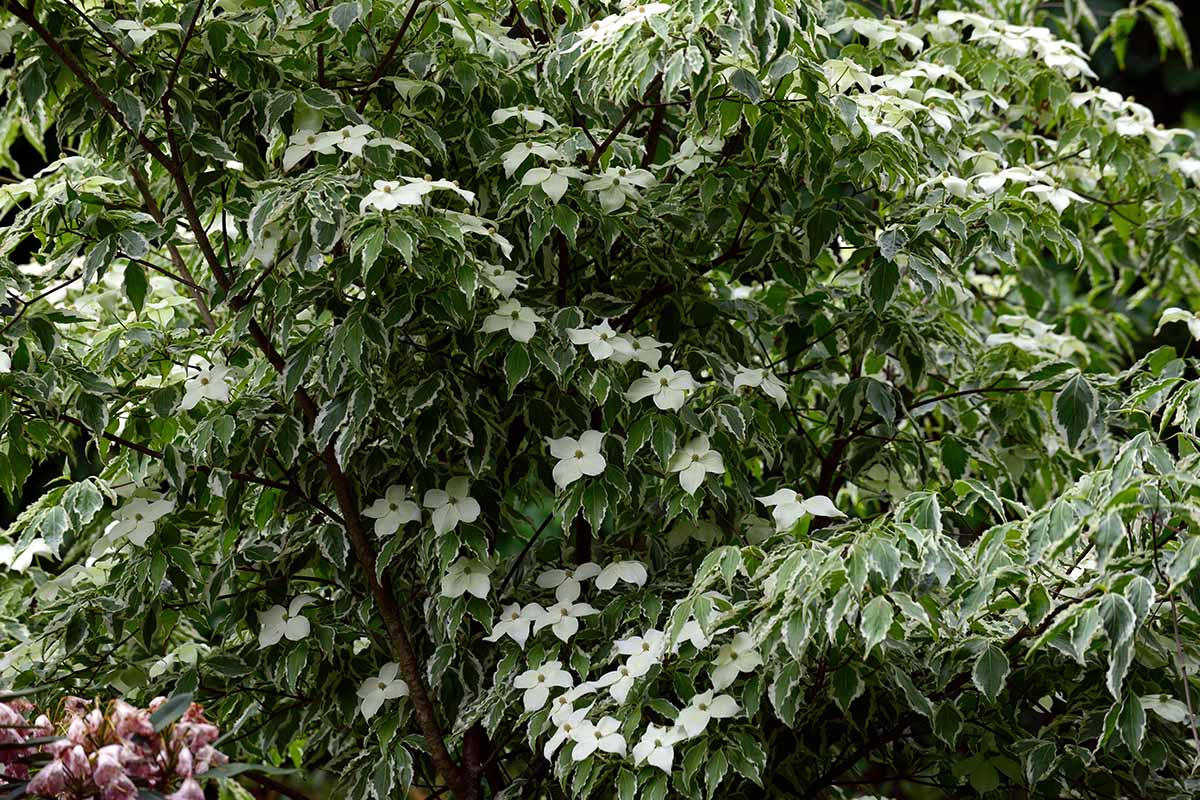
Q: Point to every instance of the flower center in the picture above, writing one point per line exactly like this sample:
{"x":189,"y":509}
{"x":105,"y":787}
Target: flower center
{"x":579,"y":454}
{"x":703,"y":706}
{"x":529,"y":145}
{"x":204,"y":381}
{"x":663,"y":382}
{"x":516,"y":315}
{"x":382,"y":685}
{"x":138,"y":517}
{"x":312,"y":139}
{"x":392,"y":507}
{"x":514,"y":616}
{"x":427,"y":178}
{"x":695,"y":457}
{"x":645,"y":647}
{"x":658,"y":743}
{"x":565,"y":613}
{"x":387,"y":189}
{"x":616,"y":182}
{"x":625,"y":671}
{"x":541,"y":678}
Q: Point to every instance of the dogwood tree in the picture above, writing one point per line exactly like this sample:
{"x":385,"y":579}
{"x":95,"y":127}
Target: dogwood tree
{"x":543,"y":399}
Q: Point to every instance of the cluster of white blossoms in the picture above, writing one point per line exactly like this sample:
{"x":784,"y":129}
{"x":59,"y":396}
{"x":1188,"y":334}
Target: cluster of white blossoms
{"x":656,"y":745}
{"x":1021,"y":41}
{"x":449,"y":507}
{"x":408,"y":191}
{"x":1034,"y":336}
{"x":614,"y":187}
{"x":349,"y":139}
{"x":518,"y":622}
{"x":604,"y":30}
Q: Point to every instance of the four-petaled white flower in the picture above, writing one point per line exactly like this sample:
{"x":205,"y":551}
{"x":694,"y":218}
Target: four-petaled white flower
{"x":392,"y":511}
{"x":451,"y":505}
{"x":349,"y":139}
{"x":554,"y":180}
{"x":389,"y":195}
{"x":563,"y":618}
{"x":566,"y":720}
{"x":566,"y":582}
{"x":209,"y":383}
{"x":733,"y":658}
{"x":303,"y":142}
{"x":266,"y":245}
{"x":667,"y":387}
{"x":628,"y":571}
{"x":694,"y":719}
{"x":519,"y":321}
{"x":135,"y":520}
{"x":648,"y":350}
{"x":469,"y":223}
{"x":693,"y":633}
{"x":426,"y":184}
{"x":787,"y":508}
{"x":621,"y":680}
{"x":467,"y":575}
{"x":748,"y":379}
{"x":531,"y":115}
{"x":603,"y":735}
{"x":19,"y":558}
{"x":657,"y":747}
{"x":504,"y":281}
{"x":603,"y":342}
{"x":644,"y":651}
{"x":514,"y":623}
{"x":695,"y":460}
{"x":517,"y":154}
{"x":1175,"y":314}
{"x":1056,"y":196}
{"x":378,"y":689}
{"x":278,"y":622}
{"x":577,"y":457}
{"x":537,"y":683}
{"x":618,"y":185}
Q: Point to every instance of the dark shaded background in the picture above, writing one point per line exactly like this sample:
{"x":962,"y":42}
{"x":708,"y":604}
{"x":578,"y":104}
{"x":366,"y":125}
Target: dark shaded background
{"x":1169,"y":88}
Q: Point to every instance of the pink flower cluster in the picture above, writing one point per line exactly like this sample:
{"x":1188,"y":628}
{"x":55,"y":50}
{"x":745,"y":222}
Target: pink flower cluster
{"x":107,"y":754}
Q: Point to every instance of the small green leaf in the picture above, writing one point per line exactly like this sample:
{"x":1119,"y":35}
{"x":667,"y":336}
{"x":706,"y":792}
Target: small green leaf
{"x":516,"y":366}
{"x":1074,"y":409}
{"x":991,"y":669}
{"x":171,"y":709}
{"x":876,"y":621}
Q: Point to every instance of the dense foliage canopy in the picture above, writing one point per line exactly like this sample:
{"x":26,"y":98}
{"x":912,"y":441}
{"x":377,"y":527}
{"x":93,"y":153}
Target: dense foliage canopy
{"x":720,"y":398}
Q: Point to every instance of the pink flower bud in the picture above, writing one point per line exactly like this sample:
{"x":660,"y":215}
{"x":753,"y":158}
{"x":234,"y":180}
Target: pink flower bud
{"x":51,"y":780}
{"x":156,"y":702}
{"x":9,"y":716}
{"x":108,"y":765}
{"x":75,"y":706}
{"x":183,"y":763}
{"x":188,"y":790}
{"x":77,"y":731}
{"x":206,"y":757}
{"x":75,"y":761}
{"x":120,"y":789}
